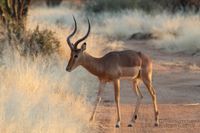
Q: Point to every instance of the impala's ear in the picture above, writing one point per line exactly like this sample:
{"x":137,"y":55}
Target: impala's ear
{"x":83,"y":47}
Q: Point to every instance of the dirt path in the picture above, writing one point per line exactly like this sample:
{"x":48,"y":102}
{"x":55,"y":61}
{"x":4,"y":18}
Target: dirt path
{"x":174,"y":118}
{"x":177,"y":82}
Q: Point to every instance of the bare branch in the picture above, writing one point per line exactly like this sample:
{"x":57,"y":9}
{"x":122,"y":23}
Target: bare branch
{"x":2,"y":18}
{"x":22,"y":8}
{"x":7,"y":7}
{"x":26,"y":6}
{"x":18,"y":9}
{"x":13,"y":9}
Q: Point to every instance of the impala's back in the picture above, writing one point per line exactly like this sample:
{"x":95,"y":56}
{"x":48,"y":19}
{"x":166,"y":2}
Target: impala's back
{"x":122,"y":64}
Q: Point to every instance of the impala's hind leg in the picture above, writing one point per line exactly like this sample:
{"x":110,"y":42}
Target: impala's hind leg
{"x":146,"y":77}
{"x":136,"y":89}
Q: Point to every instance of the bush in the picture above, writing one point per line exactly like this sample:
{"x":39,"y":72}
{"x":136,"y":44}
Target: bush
{"x":97,"y":6}
{"x":109,"y":5}
{"x":118,"y":5}
{"x":13,"y":16}
{"x":53,"y":3}
{"x":41,"y":42}
{"x":32,"y":43}
{"x":13,"y":31}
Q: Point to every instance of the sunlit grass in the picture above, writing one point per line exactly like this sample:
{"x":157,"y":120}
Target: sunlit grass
{"x":39,"y":96}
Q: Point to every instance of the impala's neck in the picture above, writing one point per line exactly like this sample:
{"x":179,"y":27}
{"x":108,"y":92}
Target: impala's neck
{"x":92,"y":64}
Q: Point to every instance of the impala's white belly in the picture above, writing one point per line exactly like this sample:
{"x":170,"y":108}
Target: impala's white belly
{"x":129,"y":72}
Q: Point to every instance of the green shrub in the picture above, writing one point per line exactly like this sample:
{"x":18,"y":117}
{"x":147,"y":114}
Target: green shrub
{"x":40,"y":42}
{"x":32,"y":43}
{"x":97,"y":6}
{"x":149,"y":5}
{"x":53,"y":3}
{"x":109,"y":5}
{"x":13,"y":25}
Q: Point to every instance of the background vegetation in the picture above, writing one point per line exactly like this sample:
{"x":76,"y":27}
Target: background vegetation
{"x":145,"y":5}
{"x":13,"y":15}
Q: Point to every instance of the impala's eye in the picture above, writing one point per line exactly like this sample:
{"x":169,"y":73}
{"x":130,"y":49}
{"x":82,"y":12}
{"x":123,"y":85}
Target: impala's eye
{"x":75,"y":56}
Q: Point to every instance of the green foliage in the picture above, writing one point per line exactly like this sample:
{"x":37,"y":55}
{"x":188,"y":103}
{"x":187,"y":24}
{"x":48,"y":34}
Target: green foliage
{"x":2,"y":2}
{"x":13,"y":15}
{"x":149,"y":5}
{"x":97,"y":6}
{"x":53,"y":3}
{"x":109,"y":5}
{"x":32,"y":43}
{"x":41,"y":42}
{"x":118,"y":5}
{"x":37,"y":42}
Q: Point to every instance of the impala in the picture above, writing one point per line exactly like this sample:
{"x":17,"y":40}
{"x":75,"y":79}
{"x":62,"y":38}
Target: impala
{"x":111,"y":68}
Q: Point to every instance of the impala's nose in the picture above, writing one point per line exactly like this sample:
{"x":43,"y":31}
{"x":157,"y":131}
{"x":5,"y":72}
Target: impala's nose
{"x":68,"y":69}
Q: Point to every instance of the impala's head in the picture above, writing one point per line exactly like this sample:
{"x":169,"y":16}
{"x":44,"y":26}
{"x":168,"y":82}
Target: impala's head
{"x":76,"y":53}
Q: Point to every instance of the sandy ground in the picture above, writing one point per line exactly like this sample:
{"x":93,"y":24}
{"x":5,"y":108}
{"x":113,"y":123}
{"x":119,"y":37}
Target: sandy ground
{"x":176,"y":78}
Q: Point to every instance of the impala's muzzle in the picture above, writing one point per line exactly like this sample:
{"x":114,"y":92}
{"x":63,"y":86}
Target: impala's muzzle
{"x":70,"y":65}
{"x":68,"y":69}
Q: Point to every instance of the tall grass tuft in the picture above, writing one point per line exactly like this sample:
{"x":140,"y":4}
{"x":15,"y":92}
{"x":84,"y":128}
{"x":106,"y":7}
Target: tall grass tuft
{"x":39,"y":96}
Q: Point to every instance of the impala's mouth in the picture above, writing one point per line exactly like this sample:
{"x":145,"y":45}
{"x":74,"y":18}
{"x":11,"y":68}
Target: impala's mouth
{"x":68,"y":69}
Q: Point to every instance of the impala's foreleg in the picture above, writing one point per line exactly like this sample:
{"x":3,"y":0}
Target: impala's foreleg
{"x":98,"y":100}
{"x":136,"y":89}
{"x":117,"y":100}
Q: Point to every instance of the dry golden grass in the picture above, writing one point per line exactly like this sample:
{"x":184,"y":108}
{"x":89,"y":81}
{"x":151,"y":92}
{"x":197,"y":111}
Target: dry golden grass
{"x":38,"y":96}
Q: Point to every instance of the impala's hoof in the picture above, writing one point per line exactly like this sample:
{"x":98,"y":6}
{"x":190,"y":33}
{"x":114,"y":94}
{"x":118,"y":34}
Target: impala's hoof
{"x":118,"y":124}
{"x":156,"y":124}
{"x":130,"y":125}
